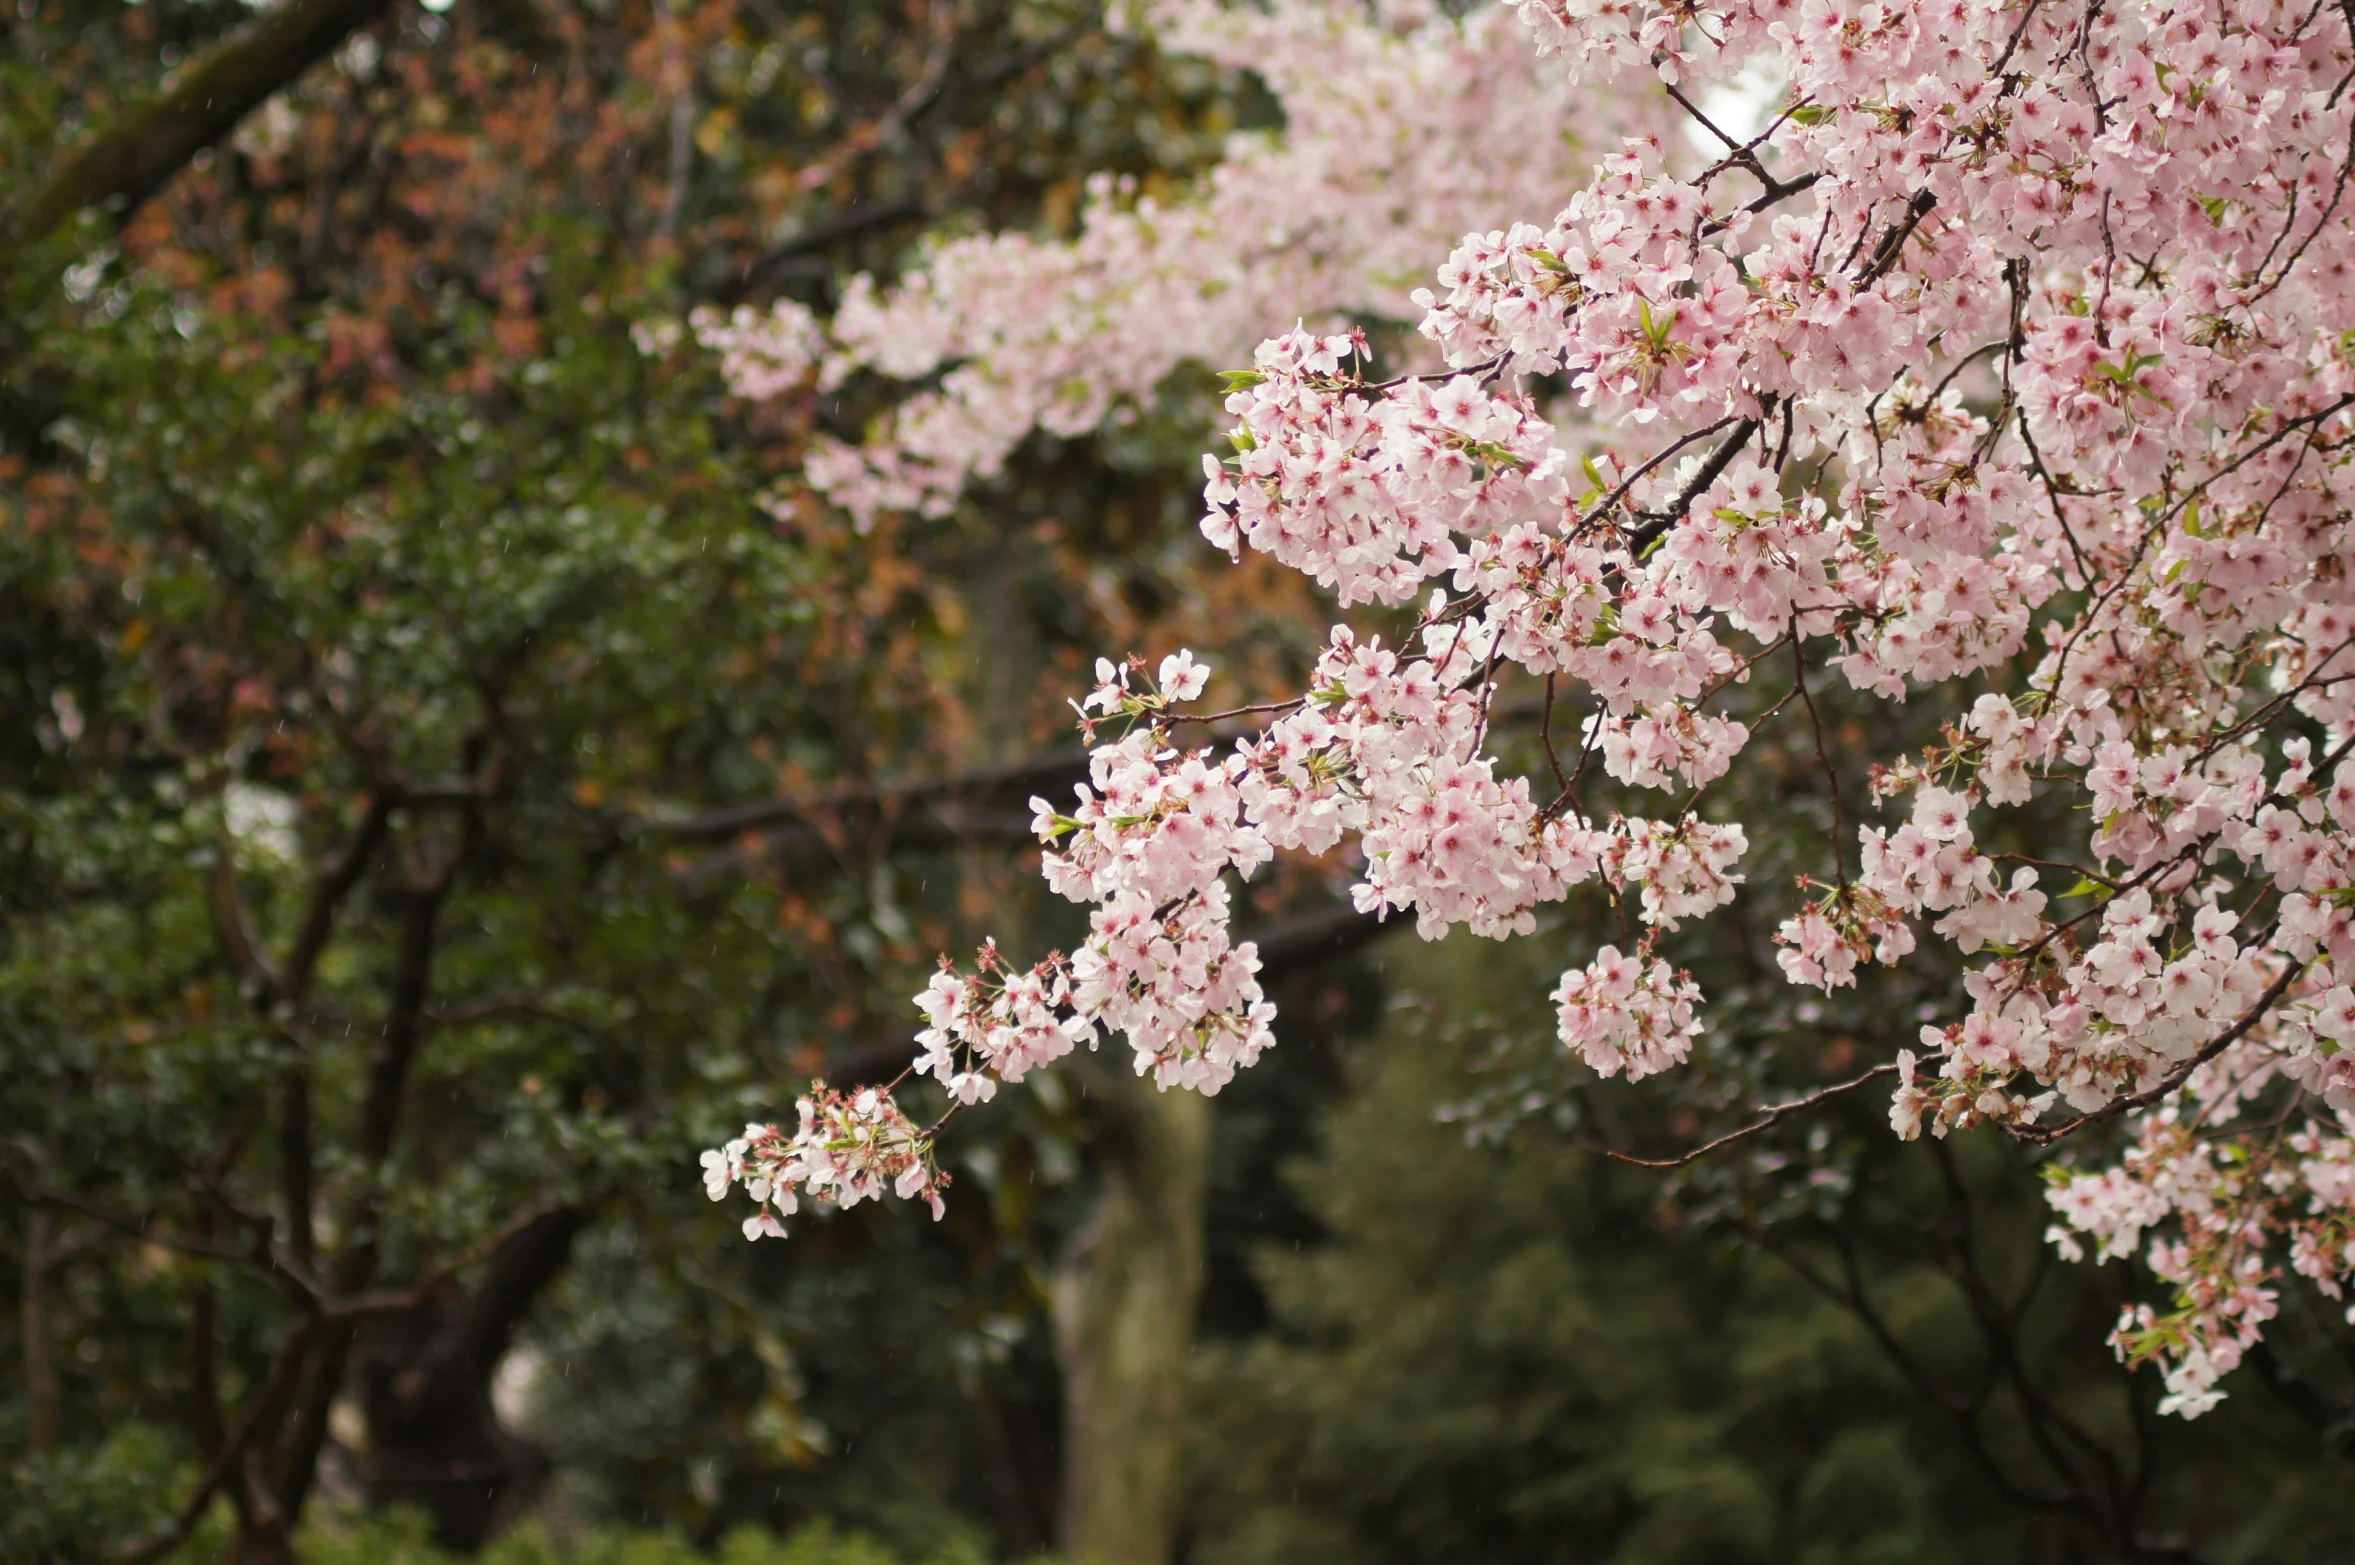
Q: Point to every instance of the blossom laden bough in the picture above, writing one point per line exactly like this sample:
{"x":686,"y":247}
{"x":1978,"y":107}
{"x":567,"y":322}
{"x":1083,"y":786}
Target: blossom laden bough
{"x":1394,"y":120}
{"x":2010,"y":366}
{"x":846,"y":1148}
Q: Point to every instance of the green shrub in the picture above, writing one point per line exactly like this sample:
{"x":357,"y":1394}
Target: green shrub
{"x":401,"y":1539}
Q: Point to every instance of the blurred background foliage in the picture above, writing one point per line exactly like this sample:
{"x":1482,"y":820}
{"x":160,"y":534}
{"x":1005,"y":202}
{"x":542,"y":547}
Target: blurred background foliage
{"x":436,"y":799}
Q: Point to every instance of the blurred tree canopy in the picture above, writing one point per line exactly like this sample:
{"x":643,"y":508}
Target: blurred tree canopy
{"x":439,"y":793}
{"x":439,"y":798}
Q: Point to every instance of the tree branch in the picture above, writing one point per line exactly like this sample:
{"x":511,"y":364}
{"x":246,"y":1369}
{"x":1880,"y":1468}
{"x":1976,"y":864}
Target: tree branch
{"x":782,"y":261}
{"x":404,"y":1021}
{"x":1065,"y":767}
{"x":281,"y":1379}
{"x":467,"y":1344}
{"x":132,"y":156}
{"x":328,"y":892}
{"x":1780,"y":1111}
{"x":2043,"y":1135}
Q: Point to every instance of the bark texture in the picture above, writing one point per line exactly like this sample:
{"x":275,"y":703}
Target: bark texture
{"x":133,"y":154}
{"x":44,"y":1389}
{"x":435,"y":1440}
{"x":1125,"y":1302}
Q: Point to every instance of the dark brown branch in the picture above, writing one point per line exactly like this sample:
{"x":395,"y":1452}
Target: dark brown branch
{"x":1776,"y":191}
{"x":986,"y":805}
{"x":775,"y":265}
{"x":134,"y":154}
{"x":408,"y":995}
{"x":470,"y":1339}
{"x":1014,"y":783}
{"x":299,"y":1285}
{"x":296,"y":1169}
{"x":1772,"y":1116}
{"x":2046,"y":1134}
{"x":490,"y":1007}
{"x":435,"y":1440}
{"x":1658,"y":522}
{"x":334,"y":885}
{"x":206,"y":1419}
{"x":1822,"y":754}
{"x":1628,"y":483}
{"x":931,"y":98}
{"x":44,"y":1386}
{"x":1307,"y":940}
{"x":1892,"y":243}
{"x":232,"y":1453}
{"x":1998,"y":1323}
{"x":1850,"y":1295}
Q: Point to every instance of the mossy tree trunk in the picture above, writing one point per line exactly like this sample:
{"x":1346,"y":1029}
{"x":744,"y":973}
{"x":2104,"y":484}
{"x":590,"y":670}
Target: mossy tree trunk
{"x":1124,"y":1315}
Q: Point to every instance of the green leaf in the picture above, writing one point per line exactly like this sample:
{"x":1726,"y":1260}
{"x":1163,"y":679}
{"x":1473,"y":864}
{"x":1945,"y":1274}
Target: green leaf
{"x":1656,"y":329}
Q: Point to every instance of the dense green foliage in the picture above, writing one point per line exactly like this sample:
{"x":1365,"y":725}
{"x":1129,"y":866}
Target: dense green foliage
{"x":379,"y":626}
{"x":400,"y":1538}
{"x":1507,"y":1348}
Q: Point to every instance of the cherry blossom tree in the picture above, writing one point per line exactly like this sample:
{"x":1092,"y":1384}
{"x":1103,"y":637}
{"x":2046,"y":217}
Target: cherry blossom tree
{"x":2005,"y":363}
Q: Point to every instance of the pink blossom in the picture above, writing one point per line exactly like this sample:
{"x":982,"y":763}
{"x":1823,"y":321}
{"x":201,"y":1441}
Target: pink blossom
{"x":2015,"y":394}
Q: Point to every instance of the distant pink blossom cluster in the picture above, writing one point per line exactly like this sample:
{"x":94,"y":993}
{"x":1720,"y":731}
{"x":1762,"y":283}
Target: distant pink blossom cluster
{"x":1401,"y":127}
{"x":2010,"y":365}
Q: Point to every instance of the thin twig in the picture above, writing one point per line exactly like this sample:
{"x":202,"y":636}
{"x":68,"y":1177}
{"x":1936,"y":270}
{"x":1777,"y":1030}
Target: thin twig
{"x":1831,"y":772}
{"x":1779,"y":1112}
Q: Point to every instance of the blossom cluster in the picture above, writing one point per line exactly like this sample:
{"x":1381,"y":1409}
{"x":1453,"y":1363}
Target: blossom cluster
{"x":2010,"y":364}
{"x":2224,"y":1213}
{"x":846,"y":1147}
{"x":1624,"y":1013}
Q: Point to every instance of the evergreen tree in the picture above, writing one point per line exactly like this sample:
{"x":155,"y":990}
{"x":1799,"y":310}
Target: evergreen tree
{"x":1507,"y":1348}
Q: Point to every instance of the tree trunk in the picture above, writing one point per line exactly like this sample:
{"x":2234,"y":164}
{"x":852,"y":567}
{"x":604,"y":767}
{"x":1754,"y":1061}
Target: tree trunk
{"x":1124,"y":1315}
{"x":264,"y":1544}
{"x":44,"y":1390}
{"x":145,"y":143}
{"x":435,"y":1441}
